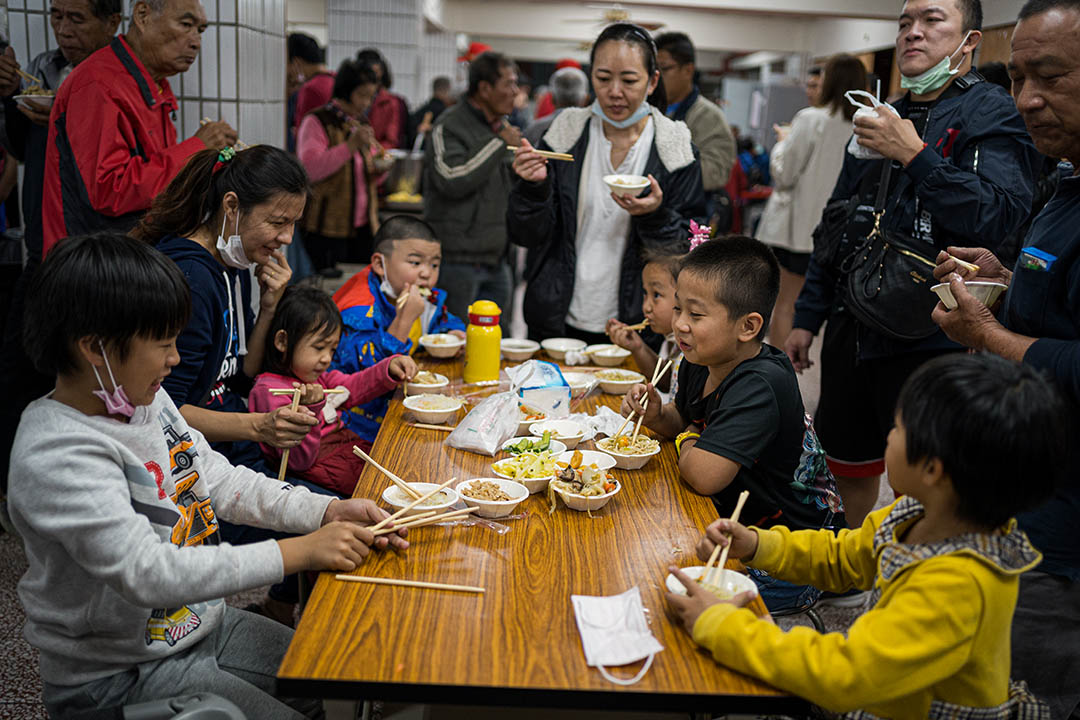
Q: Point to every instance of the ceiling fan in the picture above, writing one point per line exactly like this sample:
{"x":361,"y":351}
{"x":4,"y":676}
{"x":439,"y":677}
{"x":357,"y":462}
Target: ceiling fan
{"x":614,"y":13}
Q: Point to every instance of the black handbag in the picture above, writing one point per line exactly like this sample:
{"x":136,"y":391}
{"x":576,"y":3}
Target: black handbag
{"x":888,"y":275}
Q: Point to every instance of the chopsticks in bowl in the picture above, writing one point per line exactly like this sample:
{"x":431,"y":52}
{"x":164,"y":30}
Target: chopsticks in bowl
{"x":708,"y":575}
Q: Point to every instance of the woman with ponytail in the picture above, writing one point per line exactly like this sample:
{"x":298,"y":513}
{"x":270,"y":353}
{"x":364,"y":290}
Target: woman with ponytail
{"x":224,"y":213}
{"x":585,"y":243}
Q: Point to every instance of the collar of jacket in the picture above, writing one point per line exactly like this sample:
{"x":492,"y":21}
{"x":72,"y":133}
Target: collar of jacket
{"x":135,"y":68}
{"x":1007,"y":550}
{"x":672,"y":137}
{"x":683,"y":107}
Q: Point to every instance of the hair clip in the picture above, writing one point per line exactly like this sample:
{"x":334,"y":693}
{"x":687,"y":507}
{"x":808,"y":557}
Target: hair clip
{"x":699,"y":234}
{"x":226,"y":154}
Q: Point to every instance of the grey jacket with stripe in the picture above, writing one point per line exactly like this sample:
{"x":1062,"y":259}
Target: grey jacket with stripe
{"x":466,"y":185}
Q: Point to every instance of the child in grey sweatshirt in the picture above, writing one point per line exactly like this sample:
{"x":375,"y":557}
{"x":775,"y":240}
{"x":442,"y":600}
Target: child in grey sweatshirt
{"x":117,"y":500}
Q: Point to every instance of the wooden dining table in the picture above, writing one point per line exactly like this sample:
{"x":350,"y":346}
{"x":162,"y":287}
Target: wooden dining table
{"x":516,"y":644}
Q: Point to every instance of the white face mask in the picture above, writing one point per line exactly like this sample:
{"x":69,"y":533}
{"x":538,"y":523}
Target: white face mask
{"x":614,"y":632}
{"x":232,"y":252}
{"x":387,"y":289}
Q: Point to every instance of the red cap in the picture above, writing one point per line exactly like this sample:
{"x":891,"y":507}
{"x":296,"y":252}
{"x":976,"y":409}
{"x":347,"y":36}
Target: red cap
{"x":475,"y":49}
{"x":567,"y":62}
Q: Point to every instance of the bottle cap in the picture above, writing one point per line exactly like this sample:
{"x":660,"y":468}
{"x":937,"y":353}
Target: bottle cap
{"x":484,"y":312}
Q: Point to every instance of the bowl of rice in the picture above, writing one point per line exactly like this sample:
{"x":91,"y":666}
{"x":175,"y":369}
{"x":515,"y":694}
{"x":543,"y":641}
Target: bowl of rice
{"x":627,"y":455}
{"x":432,"y":408}
{"x":728,"y":582}
{"x":398,"y":498}
{"x":617,"y":382}
{"x":441,"y":345}
{"x":516,"y":350}
{"x":558,"y":347}
{"x":607,"y":355}
{"x":492,"y":497}
{"x":427,"y":382}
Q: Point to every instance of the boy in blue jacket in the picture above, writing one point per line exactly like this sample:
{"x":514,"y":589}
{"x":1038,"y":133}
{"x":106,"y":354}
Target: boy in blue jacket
{"x":405,"y":264}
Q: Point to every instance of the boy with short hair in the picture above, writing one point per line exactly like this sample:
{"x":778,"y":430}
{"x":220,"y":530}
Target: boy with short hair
{"x":738,"y":414}
{"x":118,"y":500}
{"x":378,"y":324}
{"x":977,"y":440}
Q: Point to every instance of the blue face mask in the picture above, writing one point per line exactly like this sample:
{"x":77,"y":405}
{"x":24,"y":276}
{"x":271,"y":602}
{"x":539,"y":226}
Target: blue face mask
{"x":641,"y":112}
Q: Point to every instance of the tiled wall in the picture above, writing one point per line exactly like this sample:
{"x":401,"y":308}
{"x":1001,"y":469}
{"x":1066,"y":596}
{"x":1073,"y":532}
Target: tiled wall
{"x":438,"y":56}
{"x":392,"y":26}
{"x":239,"y":76}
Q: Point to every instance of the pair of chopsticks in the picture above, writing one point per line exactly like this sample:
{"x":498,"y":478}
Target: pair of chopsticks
{"x":428,"y":518}
{"x":29,"y":78}
{"x":290,"y":391}
{"x":386,"y":521}
{"x":409,"y":583}
{"x":406,"y":487}
{"x":708,"y":576}
{"x":964,"y":264}
{"x":566,"y":157}
{"x":640,"y":326}
{"x":404,"y":297}
{"x":426,"y":426}
{"x":295,"y":392}
{"x":658,"y":373}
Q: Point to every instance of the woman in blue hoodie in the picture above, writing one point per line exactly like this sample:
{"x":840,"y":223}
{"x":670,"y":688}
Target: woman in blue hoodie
{"x":256,"y":196}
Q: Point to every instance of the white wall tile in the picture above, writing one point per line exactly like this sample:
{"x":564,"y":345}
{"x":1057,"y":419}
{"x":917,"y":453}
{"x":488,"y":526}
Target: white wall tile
{"x":227,"y":61}
{"x":35,"y":4}
{"x":17,"y":28}
{"x":211,"y":10}
{"x":37,"y":35}
{"x":230,"y":114}
{"x":210,"y":62}
{"x":227,"y":11}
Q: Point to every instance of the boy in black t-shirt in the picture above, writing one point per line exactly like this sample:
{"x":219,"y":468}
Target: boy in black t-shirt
{"x":738,"y":416}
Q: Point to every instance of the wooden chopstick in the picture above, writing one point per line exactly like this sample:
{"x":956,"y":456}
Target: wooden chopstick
{"x":404,"y":297}
{"x":409,"y":490}
{"x":289,"y":391}
{"x":657,"y":374}
{"x":382,"y":523}
{"x":965,"y":264}
{"x":416,"y":521}
{"x":409,"y":583}
{"x":640,"y":326}
{"x":546,"y":153}
{"x":29,"y":77}
{"x":710,"y":572}
{"x":285,"y":455}
{"x":425,"y":426}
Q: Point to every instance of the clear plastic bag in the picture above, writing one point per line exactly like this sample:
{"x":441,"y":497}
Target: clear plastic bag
{"x":865,"y":153}
{"x":541,"y":385}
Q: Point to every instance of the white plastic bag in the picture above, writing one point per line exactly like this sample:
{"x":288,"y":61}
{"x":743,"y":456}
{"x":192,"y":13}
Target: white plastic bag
{"x":865,"y":153}
{"x":541,"y":385}
{"x":487,"y":426}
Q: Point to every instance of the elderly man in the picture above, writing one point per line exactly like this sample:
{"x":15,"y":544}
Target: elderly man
{"x":569,"y":88}
{"x":1040,"y":326}
{"x":708,"y":127}
{"x":962,"y":167}
{"x":466,"y":186}
{"x":118,"y":148}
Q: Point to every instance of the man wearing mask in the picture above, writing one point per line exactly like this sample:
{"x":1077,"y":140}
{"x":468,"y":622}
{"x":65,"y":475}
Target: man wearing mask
{"x":80,"y":27}
{"x":118,"y":149}
{"x":962,"y":168}
{"x":708,"y":127}
{"x":1038,"y":324}
{"x":466,"y":186}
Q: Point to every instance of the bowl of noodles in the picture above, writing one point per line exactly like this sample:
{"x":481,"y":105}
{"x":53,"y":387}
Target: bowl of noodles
{"x":432,"y":407}
{"x":618,"y":382}
{"x":728,"y":582}
{"x":427,"y":382}
{"x":629,"y":455}
{"x":492,"y":497}
{"x":398,"y":498}
{"x":441,"y":345}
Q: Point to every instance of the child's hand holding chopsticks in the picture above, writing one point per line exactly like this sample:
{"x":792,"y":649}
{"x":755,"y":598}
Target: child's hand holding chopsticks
{"x":634,"y":402}
{"x":742,"y":539}
{"x":688,"y":608}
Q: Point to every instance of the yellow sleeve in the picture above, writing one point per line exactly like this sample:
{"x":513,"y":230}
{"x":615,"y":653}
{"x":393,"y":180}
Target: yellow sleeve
{"x":923,"y":635}
{"x":834,"y":562}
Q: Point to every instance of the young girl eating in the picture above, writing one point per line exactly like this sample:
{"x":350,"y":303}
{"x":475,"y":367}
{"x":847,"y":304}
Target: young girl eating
{"x":658,"y":280}
{"x":304,"y":336}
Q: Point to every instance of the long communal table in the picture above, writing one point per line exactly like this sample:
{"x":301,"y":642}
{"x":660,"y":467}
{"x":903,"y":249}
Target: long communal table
{"x":518,"y":643}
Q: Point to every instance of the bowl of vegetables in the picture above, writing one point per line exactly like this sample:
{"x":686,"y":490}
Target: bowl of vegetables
{"x":531,"y":469}
{"x":527,"y":416}
{"x":583,"y":487}
{"x":529,"y":443}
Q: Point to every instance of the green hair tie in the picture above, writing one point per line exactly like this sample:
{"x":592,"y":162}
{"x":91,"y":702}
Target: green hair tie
{"x":226,"y":154}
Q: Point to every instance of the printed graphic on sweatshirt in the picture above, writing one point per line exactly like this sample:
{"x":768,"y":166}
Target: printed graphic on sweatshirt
{"x":171,"y":624}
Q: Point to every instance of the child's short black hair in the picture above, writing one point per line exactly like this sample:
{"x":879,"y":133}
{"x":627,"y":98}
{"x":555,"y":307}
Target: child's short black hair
{"x":106,"y":286}
{"x":402,"y":227}
{"x":303,"y":309}
{"x":998,"y":428}
{"x":744,"y":273}
{"x":670,"y":259}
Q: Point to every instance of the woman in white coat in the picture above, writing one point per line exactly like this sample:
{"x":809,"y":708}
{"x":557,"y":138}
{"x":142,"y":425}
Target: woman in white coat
{"x":805,"y":163}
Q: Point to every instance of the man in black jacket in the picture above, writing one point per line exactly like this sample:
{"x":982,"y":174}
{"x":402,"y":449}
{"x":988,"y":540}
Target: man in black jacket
{"x":962,"y":169}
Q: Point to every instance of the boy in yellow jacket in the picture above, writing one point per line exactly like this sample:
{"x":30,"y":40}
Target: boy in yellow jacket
{"x":975,"y":442}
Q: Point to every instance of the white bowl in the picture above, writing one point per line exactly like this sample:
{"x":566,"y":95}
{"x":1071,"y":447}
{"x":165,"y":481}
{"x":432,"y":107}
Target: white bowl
{"x":495,"y":508}
{"x":393,"y":495}
{"x":726,"y":578}
{"x":602,"y":461}
{"x":441,"y":345}
{"x":567,"y":431}
{"x":556,"y":447}
{"x":623,"y":461}
{"x":524,"y":425}
{"x":448,"y":407}
{"x":619,"y":387}
{"x":626,"y":184}
{"x":557,"y":347}
{"x":607,"y":355}
{"x":518,"y":350}
{"x":535,"y":485}
{"x":579,"y":383}
{"x":581,"y":503}
{"x":43,"y":100}
{"x":415,"y":388}
{"x":985,"y":292}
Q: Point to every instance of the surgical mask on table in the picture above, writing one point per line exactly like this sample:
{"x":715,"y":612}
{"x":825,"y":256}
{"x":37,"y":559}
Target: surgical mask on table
{"x":614,"y":632}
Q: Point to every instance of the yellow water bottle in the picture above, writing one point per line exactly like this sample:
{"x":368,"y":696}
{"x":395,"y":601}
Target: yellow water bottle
{"x":482,"y":341}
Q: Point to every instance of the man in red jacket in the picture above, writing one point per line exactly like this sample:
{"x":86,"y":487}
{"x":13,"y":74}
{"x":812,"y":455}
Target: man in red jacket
{"x":112,"y":143}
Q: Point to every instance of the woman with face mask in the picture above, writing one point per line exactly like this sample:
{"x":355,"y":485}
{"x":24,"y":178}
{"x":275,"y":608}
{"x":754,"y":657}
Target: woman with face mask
{"x":585,"y":243}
